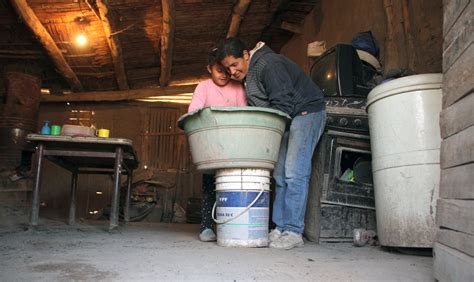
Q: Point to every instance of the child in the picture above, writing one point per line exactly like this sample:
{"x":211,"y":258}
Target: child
{"x":219,"y":91}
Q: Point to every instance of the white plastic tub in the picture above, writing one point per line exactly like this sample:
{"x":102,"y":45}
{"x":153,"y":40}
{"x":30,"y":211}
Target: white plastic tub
{"x":405,"y":142}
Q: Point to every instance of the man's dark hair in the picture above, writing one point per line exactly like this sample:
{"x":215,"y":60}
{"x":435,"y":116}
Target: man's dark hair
{"x":231,"y":46}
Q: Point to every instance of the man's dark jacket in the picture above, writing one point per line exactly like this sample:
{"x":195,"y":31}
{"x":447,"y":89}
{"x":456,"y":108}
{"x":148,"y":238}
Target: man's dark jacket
{"x":274,"y":81}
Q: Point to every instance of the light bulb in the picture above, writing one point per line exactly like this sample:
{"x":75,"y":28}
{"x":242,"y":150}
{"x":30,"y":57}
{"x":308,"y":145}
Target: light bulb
{"x":81,"y":40}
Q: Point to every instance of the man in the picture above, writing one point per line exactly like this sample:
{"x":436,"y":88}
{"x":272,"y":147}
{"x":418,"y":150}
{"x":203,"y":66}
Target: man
{"x":272,"y":80}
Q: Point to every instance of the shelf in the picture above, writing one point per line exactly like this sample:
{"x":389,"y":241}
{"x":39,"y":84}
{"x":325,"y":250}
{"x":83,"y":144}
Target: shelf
{"x":16,"y":190}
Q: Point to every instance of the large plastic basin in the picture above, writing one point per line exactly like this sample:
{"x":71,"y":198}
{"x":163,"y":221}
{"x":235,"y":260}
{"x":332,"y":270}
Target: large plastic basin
{"x":234,"y":137}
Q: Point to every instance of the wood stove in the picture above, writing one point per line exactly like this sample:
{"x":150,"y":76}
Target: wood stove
{"x":341,"y":196}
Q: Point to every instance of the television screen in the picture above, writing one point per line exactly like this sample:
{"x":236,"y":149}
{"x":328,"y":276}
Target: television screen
{"x":340,"y":72}
{"x":324,"y":73}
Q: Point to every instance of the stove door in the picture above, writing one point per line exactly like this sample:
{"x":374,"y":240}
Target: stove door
{"x":341,"y":196}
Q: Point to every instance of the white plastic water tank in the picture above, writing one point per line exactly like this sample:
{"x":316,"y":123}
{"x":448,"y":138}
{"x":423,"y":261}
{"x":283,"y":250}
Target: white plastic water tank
{"x":405,"y":142}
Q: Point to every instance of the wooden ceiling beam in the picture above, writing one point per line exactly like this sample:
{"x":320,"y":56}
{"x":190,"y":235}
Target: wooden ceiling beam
{"x":238,"y":14}
{"x":120,"y":95}
{"x":114,"y":43}
{"x":32,"y":21}
{"x":291,"y":27}
{"x":167,"y":38}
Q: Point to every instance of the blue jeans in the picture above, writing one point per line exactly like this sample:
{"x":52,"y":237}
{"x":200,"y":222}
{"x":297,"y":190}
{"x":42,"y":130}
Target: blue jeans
{"x":293,"y":171}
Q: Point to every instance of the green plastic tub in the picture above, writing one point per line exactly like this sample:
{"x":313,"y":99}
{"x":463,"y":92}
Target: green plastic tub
{"x":234,"y":137}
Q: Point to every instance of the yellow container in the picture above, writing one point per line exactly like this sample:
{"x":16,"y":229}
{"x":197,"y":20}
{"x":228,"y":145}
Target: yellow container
{"x":104,"y":133}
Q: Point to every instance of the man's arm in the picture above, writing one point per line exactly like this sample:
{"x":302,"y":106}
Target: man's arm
{"x":279,"y":87}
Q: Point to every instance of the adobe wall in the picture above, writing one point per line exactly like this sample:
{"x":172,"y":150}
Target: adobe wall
{"x":337,"y":21}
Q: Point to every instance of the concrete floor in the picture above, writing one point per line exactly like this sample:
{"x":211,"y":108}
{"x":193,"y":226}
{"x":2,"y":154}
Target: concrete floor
{"x":56,"y":251}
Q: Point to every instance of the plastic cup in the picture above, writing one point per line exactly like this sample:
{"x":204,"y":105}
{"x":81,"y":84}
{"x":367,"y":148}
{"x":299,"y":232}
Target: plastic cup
{"x":104,"y":133}
{"x":55,"y":130}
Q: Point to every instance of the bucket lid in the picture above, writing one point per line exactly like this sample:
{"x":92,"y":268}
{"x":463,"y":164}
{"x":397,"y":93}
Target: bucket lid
{"x":183,"y":118}
{"x":405,"y":84}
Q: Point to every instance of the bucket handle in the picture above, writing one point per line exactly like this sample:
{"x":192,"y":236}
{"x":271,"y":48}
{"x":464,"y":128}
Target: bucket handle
{"x":241,"y":213}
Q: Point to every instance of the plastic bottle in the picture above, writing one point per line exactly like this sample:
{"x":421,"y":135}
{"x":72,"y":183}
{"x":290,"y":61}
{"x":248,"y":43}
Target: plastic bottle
{"x":45,"y":129}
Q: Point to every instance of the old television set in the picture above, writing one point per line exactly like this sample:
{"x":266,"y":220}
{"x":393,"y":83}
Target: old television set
{"x":340,"y":72}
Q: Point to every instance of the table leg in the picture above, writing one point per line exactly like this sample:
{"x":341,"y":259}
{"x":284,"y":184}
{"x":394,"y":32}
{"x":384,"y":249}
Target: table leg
{"x":114,"y":212}
{"x":36,"y":197}
{"x":72,"y":205}
{"x":127,"y":199}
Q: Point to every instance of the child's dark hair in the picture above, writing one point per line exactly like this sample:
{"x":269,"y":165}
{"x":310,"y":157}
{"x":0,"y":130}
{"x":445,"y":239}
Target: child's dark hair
{"x":231,"y":46}
{"x":212,"y":56}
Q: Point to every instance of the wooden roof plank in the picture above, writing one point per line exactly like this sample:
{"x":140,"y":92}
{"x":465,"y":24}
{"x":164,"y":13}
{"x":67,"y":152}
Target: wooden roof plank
{"x":32,"y":21}
{"x":238,"y":14}
{"x":167,"y":38}
{"x":130,"y":94}
{"x":291,"y":27}
{"x":114,"y":43}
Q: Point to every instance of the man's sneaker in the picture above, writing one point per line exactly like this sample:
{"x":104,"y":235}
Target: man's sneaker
{"x":288,"y":240}
{"x":207,"y":235}
{"x":274,"y":235}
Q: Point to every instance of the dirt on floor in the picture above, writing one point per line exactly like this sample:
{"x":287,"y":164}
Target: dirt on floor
{"x":87,"y":251}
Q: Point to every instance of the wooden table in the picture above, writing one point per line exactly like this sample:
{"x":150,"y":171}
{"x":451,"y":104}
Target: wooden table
{"x":85,"y":155}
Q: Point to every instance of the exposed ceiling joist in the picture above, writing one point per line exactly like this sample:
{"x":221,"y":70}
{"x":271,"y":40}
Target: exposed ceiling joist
{"x":167,"y":37}
{"x":291,"y":27}
{"x":22,"y":54}
{"x":238,"y":14}
{"x":131,"y":94}
{"x":29,"y":17}
{"x":114,"y":43}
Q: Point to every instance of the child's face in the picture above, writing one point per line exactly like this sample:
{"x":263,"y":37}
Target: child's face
{"x":218,"y":74}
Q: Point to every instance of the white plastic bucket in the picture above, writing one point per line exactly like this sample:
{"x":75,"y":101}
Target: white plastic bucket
{"x":405,"y":141}
{"x":242,"y":207}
